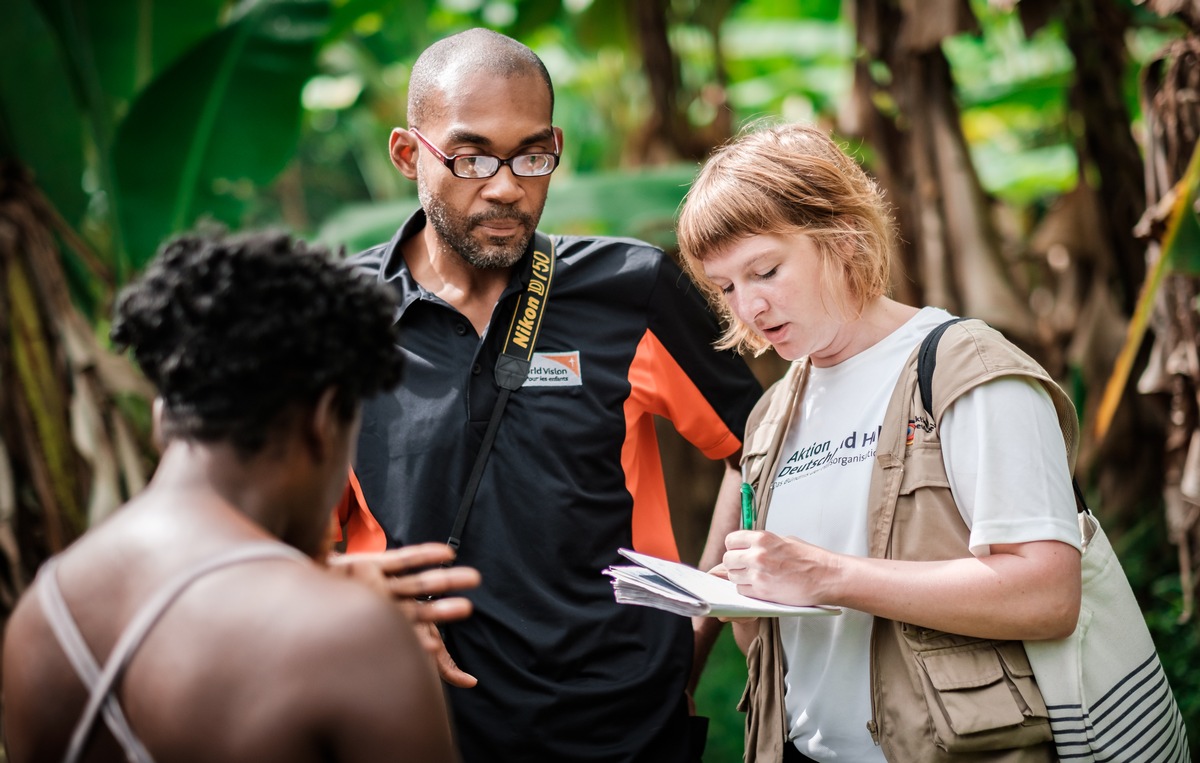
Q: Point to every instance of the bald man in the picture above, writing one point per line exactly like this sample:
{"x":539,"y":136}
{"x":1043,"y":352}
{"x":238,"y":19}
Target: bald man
{"x":602,"y":335}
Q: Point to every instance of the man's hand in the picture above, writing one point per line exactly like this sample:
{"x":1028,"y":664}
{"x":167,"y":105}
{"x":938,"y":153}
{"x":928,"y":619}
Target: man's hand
{"x":412,"y":576}
{"x":431,"y":639}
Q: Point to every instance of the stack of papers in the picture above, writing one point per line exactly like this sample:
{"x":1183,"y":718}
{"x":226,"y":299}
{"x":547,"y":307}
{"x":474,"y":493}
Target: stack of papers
{"x":684,"y":590}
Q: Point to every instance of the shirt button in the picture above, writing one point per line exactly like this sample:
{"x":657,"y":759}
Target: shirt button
{"x":475,"y":369}
{"x":460,"y":329}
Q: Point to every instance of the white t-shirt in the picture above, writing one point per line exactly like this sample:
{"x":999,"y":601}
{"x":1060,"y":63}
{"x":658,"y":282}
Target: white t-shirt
{"x":1005,"y":457}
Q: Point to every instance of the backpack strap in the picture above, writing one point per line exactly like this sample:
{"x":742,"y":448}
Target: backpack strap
{"x":927,"y":362}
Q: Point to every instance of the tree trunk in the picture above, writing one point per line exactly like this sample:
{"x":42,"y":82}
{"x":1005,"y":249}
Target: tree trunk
{"x":1095,"y":33}
{"x":68,"y":453}
{"x":952,"y":255}
{"x":669,"y":135}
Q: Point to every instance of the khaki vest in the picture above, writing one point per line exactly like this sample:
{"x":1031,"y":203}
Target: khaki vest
{"x":935,"y":696}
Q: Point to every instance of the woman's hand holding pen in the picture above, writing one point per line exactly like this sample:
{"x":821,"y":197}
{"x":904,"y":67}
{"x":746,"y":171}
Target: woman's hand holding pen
{"x":415,"y":578}
{"x":786,"y":570}
{"x":721,"y":572}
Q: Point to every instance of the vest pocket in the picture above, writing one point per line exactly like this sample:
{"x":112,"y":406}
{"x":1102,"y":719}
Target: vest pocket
{"x":981,"y":695}
{"x":923,"y":468}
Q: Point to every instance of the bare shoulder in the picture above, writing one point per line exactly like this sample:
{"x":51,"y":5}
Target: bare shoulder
{"x":337,"y":610}
{"x":42,"y":696}
{"x":381,"y":689}
{"x":295,"y":661}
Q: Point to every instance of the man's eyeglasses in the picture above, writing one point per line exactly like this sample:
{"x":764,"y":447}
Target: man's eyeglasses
{"x":479,"y":166}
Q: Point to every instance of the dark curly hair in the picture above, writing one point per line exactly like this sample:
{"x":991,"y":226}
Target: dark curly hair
{"x":234,"y":330}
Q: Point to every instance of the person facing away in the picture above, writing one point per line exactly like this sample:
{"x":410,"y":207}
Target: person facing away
{"x":793,"y":241}
{"x":196,"y":610}
{"x":549,"y":667}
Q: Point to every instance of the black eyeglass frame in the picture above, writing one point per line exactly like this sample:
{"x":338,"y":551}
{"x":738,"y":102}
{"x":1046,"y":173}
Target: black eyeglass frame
{"x":450,"y":161}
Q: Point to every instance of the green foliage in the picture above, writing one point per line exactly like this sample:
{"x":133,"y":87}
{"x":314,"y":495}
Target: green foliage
{"x":798,"y":69}
{"x":145,"y":117}
{"x":773,"y":10}
{"x":717,"y":697}
{"x":1028,"y":175}
{"x":1012,"y":92}
{"x":235,"y":133}
{"x":51,"y":144}
{"x":639,"y":204}
{"x":134,"y":40}
{"x":1187,"y":245}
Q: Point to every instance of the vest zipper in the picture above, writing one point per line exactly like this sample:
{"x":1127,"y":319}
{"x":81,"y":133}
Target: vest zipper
{"x":873,"y":724}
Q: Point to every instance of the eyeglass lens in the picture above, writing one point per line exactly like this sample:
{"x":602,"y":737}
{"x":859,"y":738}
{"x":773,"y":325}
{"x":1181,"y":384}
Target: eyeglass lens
{"x":484,"y":166}
{"x":526,"y":165}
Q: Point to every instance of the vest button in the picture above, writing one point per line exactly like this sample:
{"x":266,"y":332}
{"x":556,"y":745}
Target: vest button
{"x":460,"y":329}
{"x":475,"y":369}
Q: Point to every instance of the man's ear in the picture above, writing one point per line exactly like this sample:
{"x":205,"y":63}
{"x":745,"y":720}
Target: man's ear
{"x":402,"y":148}
{"x":558,"y":136}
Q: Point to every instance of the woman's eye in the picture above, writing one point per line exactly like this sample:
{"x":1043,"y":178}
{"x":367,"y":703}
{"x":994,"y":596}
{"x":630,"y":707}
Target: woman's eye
{"x":727,"y":290}
{"x":769,"y":274}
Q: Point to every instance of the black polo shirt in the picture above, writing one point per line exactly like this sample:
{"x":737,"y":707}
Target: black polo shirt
{"x":564,"y":672}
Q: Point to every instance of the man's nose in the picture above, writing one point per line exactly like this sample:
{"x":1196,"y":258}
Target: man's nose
{"x":504,"y":187}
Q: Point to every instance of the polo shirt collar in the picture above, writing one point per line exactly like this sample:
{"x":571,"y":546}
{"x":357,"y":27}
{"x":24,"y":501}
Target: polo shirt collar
{"x":394,"y":270}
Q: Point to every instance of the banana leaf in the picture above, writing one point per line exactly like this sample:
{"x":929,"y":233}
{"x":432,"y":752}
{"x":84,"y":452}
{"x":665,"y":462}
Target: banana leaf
{"x":218,"y":124}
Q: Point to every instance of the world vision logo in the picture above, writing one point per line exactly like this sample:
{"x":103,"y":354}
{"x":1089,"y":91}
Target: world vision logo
{"x":555,"y":369}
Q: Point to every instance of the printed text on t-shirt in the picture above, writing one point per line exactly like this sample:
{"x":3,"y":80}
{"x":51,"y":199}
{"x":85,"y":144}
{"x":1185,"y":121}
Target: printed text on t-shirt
{"x":816,"y":456}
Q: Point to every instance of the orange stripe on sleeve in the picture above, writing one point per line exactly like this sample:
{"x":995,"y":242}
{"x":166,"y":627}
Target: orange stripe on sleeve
{"x":660,"y":387}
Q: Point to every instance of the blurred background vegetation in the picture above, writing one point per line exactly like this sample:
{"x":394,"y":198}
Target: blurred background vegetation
{"x":1039,"y":155}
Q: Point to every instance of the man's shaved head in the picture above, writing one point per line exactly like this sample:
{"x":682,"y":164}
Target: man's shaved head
{"x":475,"y":51}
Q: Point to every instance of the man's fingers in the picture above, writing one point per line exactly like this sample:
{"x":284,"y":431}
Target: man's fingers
{"x":399,"y":560}
{"x":440,"y":610}
{"x":451,"y":674}
{"x":447,"y":669}
{"x":434,"y":582}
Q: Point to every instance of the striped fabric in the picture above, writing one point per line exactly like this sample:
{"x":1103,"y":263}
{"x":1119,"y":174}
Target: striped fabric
{"x":1136,"y":720}
{"x":1108,"y":696}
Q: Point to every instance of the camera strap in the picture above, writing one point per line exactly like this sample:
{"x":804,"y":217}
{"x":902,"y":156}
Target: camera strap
{"x":512,"y":365}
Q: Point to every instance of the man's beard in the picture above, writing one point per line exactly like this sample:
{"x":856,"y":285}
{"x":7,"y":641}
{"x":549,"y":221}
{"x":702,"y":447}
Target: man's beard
{"x":455,"y":230}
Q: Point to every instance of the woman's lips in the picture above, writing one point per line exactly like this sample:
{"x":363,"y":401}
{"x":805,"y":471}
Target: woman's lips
{"x":776,"y":334}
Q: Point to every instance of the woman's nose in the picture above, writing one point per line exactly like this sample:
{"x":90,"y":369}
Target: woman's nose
{"x":746,"y":304}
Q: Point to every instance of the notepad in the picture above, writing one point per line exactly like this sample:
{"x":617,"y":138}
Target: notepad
{"x":684,"y":590}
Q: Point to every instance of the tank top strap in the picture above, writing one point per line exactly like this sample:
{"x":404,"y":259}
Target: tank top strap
{"x":101,"y":682}
{"x":66,"y":632}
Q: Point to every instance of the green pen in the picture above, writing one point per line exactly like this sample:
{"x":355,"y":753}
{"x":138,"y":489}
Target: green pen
{"x":747,"y":503}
